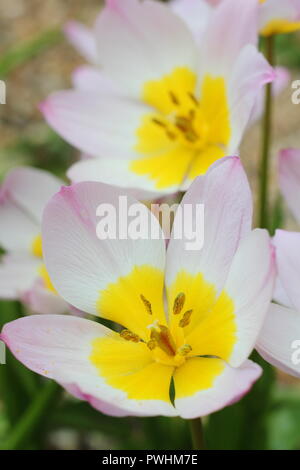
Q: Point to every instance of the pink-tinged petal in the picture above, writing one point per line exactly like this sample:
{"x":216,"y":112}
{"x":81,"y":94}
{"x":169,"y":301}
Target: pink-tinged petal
{"x":60,"y":347}
{"x":227,"y":388}
{"x":226,"y":196}
{"x":229,"y":29}
{"x":17,"y":274}
{"x":195,"y":13}
{"x":287,"y":245}
{"x":92,"y":79}
{"x":289,"y":179}
{"x":141,"y":41}
{"x":23,"y":196}
{"x":250,"y":73}
{"x":30,"y":188}
{"x":279,"y":340}
{"x":116,"y":173}
{"x":280,"y":296}
{"x":41,"y":300}
{"x":100,"y":405}
{"x":82,"y":38}
{"x":282,"y":79}
{"x":56,"y":346}
{"x":17,"y":229}
{"x":81,"y":265}
{"x":270,"y":11}
{"x":99,"y":124}
{"x":213,"y":2}
{"x":250,"y":285}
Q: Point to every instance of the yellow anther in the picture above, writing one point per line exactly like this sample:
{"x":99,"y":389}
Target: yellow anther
{"x":147,"y":304}
{"x":178,"y":303}
{"x":152,"y":344}
{"x":174,"y":98}
{"x":159,"y":122}
{"x":193,"y":98}
{"x":184,"y":350}
{"x":186,"y":319}
{"x":129,"y":336}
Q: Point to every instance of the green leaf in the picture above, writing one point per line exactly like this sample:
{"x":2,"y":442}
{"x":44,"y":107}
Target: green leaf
{"x":23,"y":52}
{"x":284,"y":420}
{"x":17,"y":384}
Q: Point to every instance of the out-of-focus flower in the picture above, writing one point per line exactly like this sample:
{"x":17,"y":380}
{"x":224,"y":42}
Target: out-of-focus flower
{"x":275,"y":16}
{"x":190,"y":316}
{"x":23,"y":275}
{"x":162,"y":109}
{"x":279,"y":16}
{"x":279,"y":342}
{"x":195,"y":13}
{"x":281,"y":81}
{"x":289,"y":179}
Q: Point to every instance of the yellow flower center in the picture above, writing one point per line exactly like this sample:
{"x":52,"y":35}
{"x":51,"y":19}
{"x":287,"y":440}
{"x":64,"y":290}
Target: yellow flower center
{"x":199,"y":326}
{"x":187,"y":130}
{"x":164,"y":347}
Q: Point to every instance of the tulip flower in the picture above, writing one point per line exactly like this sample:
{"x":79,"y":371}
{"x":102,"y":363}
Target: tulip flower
{"x":279,"y":342}
{"x":196,"y":14}
{"x":23,"y":275}
{"x":190,"y":318}
{"x":165,"y":108}
{"x":275,"y":16}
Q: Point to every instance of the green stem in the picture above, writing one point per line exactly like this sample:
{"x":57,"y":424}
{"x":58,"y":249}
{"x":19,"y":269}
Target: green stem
{"x":266,"y":141}
{"x":32,"y":417}
{"x":197,"y":434}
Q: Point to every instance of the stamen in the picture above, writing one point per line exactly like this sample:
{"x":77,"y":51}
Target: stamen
{"x":185,"y":321}
{"x":129,"y":336}
{"x":192,"y":114}
{"x":193,"y":98}
{"x":158,"y":122}
{"x":191,"y":136}
{"x":184,"y":350}
{"x":178,"y":303}
{"x":152,"y":344}
{"x":147,"y":304}
{"x":174,"y":98}
{"x":182,"y":123}
{"x":171,"y":135}
{"x":185,"y":125}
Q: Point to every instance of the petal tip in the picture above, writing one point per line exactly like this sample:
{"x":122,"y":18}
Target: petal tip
{"x":69,"y":28}
{"x":44,"y":107}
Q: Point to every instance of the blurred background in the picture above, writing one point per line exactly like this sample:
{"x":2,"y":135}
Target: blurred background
{"x":36,"y":59}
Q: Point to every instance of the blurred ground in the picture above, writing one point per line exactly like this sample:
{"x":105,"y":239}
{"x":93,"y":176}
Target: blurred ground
{"x":24,"y":26}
